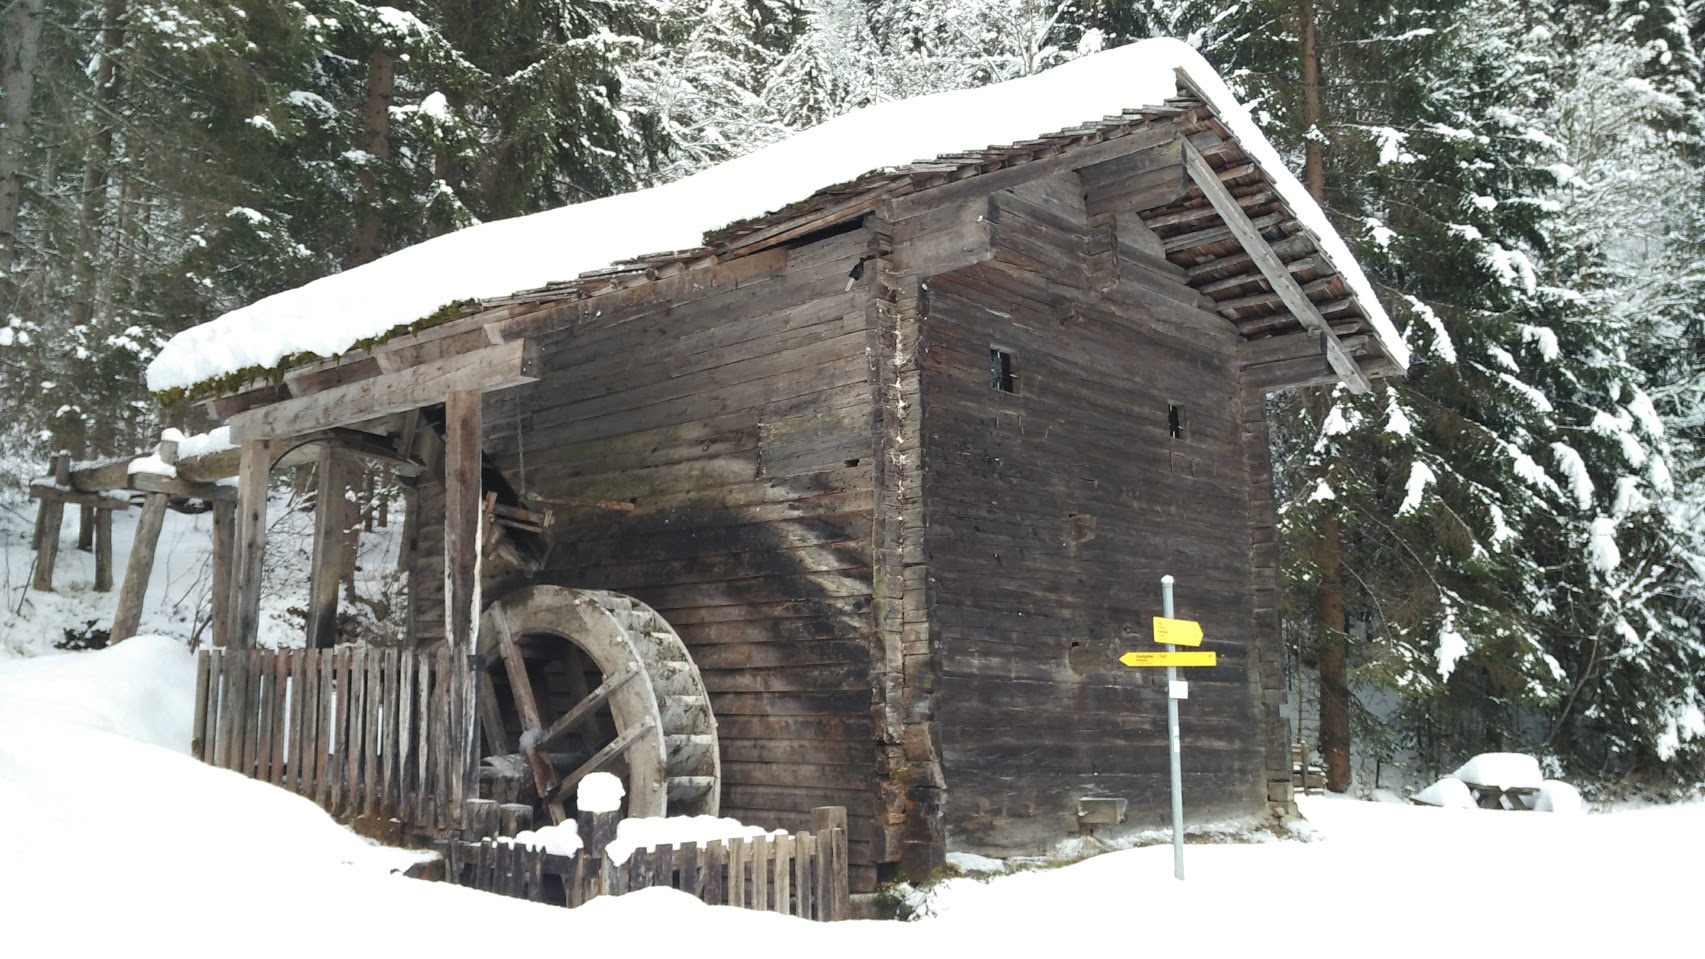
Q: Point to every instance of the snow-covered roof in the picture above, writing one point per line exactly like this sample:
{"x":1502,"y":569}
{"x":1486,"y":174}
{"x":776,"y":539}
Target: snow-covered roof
{"x":492,"y":260}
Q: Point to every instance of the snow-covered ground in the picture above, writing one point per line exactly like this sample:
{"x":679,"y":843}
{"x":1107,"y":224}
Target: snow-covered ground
{"x":112,"y":839}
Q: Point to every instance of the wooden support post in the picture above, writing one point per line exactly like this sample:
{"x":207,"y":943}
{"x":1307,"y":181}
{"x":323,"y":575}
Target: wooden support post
{"x":224,"y":550}
{"x":139,"y":568}
{"x":331,"y":526}
{"x":86,"y":528}
{"x":462,"y":514}
{"x":250,"y":547}
{"x":103,"y":550}
{"x":48,"y":522}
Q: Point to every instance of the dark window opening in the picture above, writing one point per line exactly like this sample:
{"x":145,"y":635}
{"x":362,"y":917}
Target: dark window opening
{"x":1003,"y":371}
{"x":1175,"y":421}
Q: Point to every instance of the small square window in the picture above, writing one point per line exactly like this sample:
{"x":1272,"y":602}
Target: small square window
{"x":1003,"y":370}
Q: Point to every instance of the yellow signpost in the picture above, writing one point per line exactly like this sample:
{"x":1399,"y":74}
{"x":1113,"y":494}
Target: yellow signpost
{"x":1177,"y":632}
{"x":1170,"y":659}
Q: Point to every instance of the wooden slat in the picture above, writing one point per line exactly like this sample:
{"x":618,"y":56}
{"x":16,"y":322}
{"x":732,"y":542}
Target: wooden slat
{"x":760,"y":850}
{"x":279,"y":661}
{"x":324,"y":770}
{"x":805,"y":846}
{"x":783,"y":885}
{"x":1272,"y":267}
{"x":375,"y":692}
{"x":198,"y":729}
{"x":615,"y":748}
{"x":407,"y":733}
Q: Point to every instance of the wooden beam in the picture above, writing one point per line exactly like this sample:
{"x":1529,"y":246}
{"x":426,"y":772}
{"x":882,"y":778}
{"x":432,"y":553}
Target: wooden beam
{"x":616,"y":747}
{"x":45,"y":491}
{"x":139,"y":568}
{"x":483,"y":370}
{"x":462,"y":514}
{"x":584,"y":709}
{"x":182,"y":489}
{"x":224,"y":550}
{"x":250,"y":545}
{"x":330,"y":527}
{"x":1272,"y":267}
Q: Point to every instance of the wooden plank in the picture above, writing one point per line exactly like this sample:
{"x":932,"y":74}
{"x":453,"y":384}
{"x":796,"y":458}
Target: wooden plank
{"x":805,"y":850}
{"x":737,"y":856}
{"x":375,"y":687}
{"x":198,"y":729}
{"x":47,"y":492}
{"x":407,"y":733}
{"x":760,"y":849}
{"x":715,"y":881}
{"x":783,"y":885}
{"x":282,"y":718}
{"x":227,"y":710}
{"x":252,"y":728}
{"x":521,"y":690}
{"x":615,"y":748}
{"x":830,"y":825}
{"x":250,"y":545}
{"x":587,"y":706}
{"x":493,"y":368}
{"x":1272,"y":267}
{"x":389,"y":743}
{"x":330,"y":532}
{"x":325,"y":721}
{"x":688,"y":861}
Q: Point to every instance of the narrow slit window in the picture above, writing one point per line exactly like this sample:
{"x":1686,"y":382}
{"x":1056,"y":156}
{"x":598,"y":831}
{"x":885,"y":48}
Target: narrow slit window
{"x":1175,"y":421}
{"x":1003,"y":370}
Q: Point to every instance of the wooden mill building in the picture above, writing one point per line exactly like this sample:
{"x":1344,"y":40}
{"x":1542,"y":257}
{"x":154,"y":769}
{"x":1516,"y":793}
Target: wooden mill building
{"x":874,"y":488}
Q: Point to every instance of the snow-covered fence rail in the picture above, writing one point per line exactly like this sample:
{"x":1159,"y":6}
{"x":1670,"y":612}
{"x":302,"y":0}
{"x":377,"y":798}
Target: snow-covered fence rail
{"x":798,"y":874}
{"x":364,"y":732}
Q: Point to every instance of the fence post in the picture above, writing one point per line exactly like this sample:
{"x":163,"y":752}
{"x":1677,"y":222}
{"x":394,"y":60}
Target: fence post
{"x":835,"y":895}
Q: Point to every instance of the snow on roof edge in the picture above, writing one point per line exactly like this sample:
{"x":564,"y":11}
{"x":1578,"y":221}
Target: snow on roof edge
{"x":330,"y":315}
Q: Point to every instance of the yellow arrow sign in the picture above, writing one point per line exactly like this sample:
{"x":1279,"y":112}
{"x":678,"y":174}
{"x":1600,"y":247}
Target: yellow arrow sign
{"x":1178,"y":632}
{"x":1170,"y":659}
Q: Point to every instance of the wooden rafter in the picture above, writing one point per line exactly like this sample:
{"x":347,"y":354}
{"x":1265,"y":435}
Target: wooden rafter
{"x":1274,"y":269}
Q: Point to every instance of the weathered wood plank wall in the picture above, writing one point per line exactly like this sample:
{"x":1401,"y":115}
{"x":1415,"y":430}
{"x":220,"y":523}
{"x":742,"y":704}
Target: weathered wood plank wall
{"x":1053,"y":511}
{"x":712,"y":456}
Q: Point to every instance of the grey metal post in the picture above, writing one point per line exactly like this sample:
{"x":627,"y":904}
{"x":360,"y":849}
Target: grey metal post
{"x":1173,"y":741}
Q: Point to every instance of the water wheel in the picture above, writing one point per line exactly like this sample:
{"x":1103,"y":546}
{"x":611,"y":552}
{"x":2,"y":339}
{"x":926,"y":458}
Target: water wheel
{"x":580,"y":681}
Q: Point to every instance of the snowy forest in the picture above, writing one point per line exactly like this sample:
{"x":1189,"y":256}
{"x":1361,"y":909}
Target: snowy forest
{"x":1504,"y":549}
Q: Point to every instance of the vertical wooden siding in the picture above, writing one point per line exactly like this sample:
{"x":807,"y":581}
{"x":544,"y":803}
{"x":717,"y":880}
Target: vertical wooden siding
{"x":1052,"y":513}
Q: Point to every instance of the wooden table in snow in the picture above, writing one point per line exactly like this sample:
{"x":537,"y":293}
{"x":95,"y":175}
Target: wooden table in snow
{"x":1515,"y":798}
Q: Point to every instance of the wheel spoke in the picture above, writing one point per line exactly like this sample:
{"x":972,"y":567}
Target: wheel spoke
{"x":586,"y":707}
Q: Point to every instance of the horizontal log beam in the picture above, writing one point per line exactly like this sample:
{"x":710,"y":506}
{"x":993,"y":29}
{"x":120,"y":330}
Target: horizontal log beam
{"x":47,"y":491}
{"x":482,"y":370}
{"x":171,"y":486}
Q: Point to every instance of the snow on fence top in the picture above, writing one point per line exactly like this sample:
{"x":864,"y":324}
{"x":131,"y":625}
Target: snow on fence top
{"x":330,"y":315}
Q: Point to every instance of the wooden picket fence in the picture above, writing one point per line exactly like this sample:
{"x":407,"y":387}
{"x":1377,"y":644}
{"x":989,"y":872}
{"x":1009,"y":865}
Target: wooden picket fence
{"x":797,"y":874}
{"x":367,"y":733}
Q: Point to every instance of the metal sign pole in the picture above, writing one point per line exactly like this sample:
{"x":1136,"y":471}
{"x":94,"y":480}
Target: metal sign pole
{"x":1173,"y":741}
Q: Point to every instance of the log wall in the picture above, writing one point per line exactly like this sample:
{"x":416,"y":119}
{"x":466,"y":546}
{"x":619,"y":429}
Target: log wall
{"x":711,"y":456}
{"x":1052,"y":512}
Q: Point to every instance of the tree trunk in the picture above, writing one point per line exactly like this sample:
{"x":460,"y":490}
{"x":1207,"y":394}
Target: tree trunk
{"x":1314,"y":161}
{"x":1334,"y":659}
{"x":97,"y":169}
{"x":20,"y":48}
{"x":1329,"y":592}
{"x":381,"y":82}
